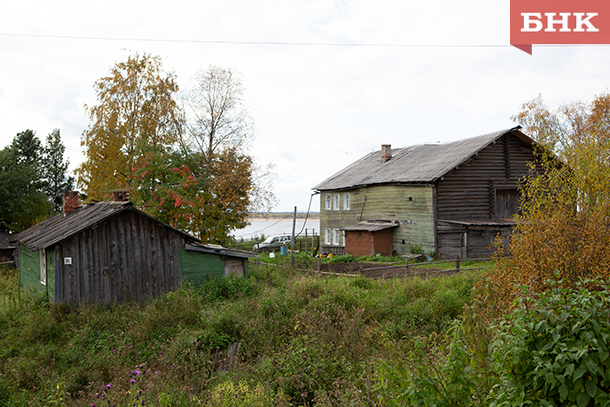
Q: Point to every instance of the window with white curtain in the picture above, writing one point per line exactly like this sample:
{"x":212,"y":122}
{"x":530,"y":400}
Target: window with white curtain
{"x":337,"y":201}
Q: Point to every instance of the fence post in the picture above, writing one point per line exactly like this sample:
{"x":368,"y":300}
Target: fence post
{"x":318,"y":265}
{"x":457,"y":264}
{"x":305,"y":242}
{"x":407,"y":265}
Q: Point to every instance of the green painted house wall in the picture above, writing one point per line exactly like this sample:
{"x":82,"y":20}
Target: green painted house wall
{"x":196,"y":267}
{"x":412,"y":206}
{"x":29,"y":271}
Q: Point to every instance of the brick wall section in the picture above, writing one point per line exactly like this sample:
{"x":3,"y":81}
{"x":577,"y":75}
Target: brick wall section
{"x":361,"y":243}
{"x":383,"y":242}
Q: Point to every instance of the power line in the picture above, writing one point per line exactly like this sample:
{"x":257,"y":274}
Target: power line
{"x":288,"y":43}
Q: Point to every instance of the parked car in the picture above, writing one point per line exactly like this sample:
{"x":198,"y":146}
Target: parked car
{"x":272,"y":243}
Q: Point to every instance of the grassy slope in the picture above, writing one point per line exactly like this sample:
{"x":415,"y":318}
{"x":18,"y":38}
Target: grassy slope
{"x":304,"y":339}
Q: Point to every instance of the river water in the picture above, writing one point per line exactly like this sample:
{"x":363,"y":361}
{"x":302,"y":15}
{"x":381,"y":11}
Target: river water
{"x":268,"y":227}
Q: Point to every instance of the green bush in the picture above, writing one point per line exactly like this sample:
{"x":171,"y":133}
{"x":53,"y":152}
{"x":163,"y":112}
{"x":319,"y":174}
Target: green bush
{"x":553,"y":350}
{"x":344,"y":258}
{"x":226,"y":288}
{"x":382,"y":259}
{"x":442,"y":370}
{"x":415,"y":248}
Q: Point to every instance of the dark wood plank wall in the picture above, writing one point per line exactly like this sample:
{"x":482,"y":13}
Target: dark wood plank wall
{"x":128,"y":257}
{"x":459,"y":241}
{"x":469,"y":191}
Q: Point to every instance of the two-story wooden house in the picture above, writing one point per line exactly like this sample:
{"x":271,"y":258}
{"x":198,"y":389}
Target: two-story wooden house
{"x":452,"y":199}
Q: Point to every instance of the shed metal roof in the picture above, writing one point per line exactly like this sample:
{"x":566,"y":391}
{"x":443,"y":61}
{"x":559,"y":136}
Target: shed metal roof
{"x":60,"y":227}
{"x":217,"y":249}
{"x":423,"y":163}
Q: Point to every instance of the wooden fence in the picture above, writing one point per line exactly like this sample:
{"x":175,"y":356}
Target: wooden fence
{"x":406,"y":270}
{"x":410,"y":269}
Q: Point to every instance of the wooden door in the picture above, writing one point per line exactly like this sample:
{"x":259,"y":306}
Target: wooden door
{"x":234,"y":268}
{"x":507,"y":202}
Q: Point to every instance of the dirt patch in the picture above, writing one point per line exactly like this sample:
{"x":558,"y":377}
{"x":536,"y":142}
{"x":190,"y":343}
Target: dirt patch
{"x":402,"y":273}
{"x":377,"y":270}
{"x":346,"y":268}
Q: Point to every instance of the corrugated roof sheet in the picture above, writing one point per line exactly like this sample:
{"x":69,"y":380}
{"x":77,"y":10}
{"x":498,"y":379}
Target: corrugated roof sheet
{"x":60,"y":227}
{"x":416,"y":164}
{"x":217,"y":249}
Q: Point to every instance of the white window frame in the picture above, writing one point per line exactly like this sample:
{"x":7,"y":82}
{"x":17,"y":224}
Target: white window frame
{"x":43,"y":267}
{"x":327,"y":236}
{"x":337,"y":202}
{"x":336,"y":239}
{"x":346,"y":201}
{"x":329,"y":202}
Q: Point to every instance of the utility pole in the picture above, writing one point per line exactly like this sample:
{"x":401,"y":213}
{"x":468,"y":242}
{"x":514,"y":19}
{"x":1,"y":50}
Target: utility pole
{"x":294,"y":225}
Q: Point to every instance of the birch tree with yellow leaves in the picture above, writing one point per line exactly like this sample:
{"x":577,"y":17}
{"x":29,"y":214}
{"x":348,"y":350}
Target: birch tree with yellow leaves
{"x":185,"y":164}
{"x":136,"y":110}
{"x":563,"y":230}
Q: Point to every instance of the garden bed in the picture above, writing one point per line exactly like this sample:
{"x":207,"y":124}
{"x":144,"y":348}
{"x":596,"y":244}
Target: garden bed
{"x":380,"y":270}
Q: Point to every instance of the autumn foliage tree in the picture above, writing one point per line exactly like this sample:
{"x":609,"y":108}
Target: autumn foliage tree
{"x":563,"y":233}
{"x":217,"y":132}
{"x":136,"y":110}
{"x":186,"y":164}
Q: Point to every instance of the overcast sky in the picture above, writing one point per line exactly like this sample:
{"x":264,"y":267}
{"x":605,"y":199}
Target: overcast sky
{"x":409,"y":72}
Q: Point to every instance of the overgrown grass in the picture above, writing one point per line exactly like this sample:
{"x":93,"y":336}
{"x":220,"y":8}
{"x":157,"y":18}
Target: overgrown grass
{"x":304,"y":339}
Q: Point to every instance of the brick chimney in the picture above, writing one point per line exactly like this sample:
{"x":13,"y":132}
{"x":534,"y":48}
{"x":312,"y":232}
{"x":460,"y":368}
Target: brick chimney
{"x":70,"y":202}
{"x":120,"y":196}
{"x":386,"y":152}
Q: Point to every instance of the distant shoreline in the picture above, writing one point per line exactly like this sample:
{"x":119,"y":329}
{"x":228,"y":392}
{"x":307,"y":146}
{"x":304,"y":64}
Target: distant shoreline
{"x":283,"y":215}
{"x":282,"y":219}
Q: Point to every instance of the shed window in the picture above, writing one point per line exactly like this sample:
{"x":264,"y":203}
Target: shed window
{"x":43,"y":267}
{"x":326,"y":236}
{"x":328,"y":202}
{"x":346,"y":202}
{"x":337,"y":201}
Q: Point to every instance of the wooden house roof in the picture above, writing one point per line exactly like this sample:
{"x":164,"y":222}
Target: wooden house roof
{"x":423,"y":163}
{"x":60,"y":227}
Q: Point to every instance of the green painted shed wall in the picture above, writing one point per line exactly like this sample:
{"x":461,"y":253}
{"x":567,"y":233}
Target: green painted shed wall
{"x":196,"y":266}
{"x":411,"y":205}
{"x":29,"y":271}
{"x":51,"y":275}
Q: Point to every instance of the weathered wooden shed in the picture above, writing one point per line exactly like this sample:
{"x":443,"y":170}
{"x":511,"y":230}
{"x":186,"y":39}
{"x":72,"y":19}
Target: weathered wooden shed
{"x":452,"y":198}
{"x":7,"y":249}
{"x":101,"y":252}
